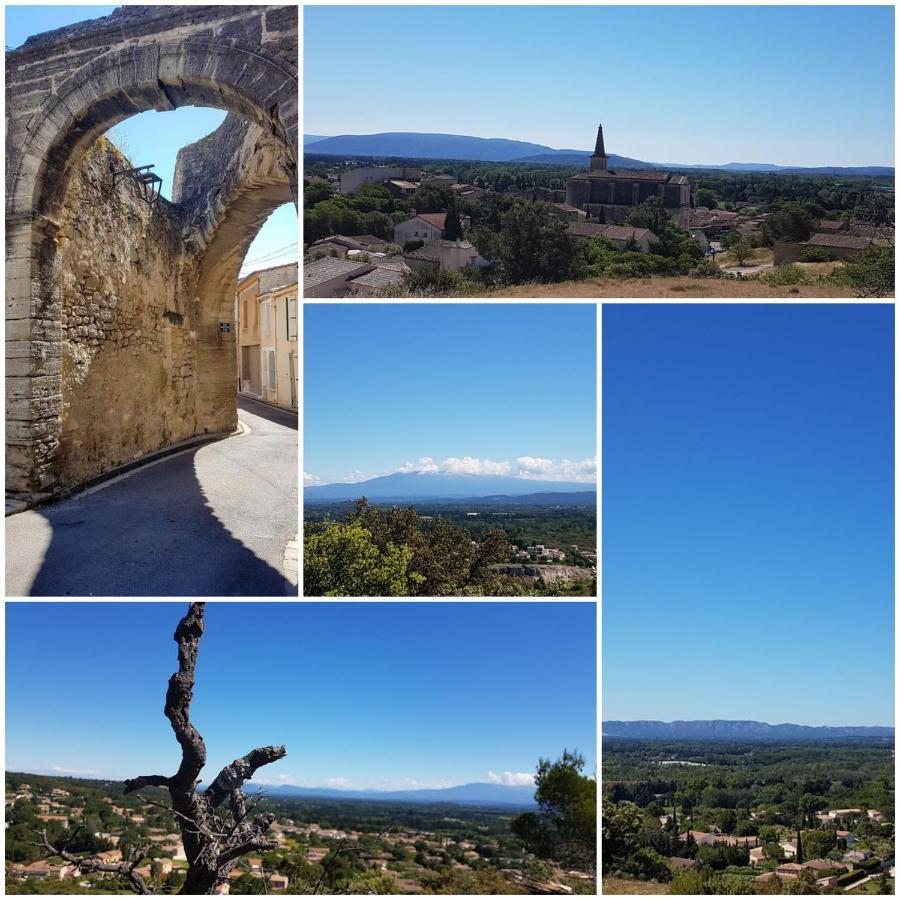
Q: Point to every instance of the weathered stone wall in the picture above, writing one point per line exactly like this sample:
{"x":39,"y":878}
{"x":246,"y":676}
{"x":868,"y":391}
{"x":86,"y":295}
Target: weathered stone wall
{"x":113,"y":315}
{"x":128,"y":351}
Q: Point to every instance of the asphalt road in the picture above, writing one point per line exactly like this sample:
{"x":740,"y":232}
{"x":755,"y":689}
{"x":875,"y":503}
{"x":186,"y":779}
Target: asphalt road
{"x":213,"y":521}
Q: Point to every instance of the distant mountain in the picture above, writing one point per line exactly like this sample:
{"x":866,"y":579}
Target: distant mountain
{"x":582,"y":158}
{"x":475,"y":794}
{"x":423,"y":486}
{"x":415,"y":145}
{"x":426,"y":146}
{"x":740,"y":730}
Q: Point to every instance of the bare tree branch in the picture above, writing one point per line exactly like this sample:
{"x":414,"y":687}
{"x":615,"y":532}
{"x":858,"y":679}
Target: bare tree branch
{"x":125,"y":869}
{"x":136,"y":784}
{"x":233,"y":776}
{"x":213,"y":841}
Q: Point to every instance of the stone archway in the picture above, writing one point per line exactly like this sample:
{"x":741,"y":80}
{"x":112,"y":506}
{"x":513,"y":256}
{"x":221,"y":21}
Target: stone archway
{"x":64,"y":90}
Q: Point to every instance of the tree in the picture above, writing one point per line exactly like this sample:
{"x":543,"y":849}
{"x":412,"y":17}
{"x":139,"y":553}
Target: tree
{"x":705,"y":197}
{"x":343,"y":561}
{"x":316,"y":192}
{"x":532,"y":245}
{"x":565,"y":828}
{"x":215,"y":835}
{"x":871,"y":273}
{"x":742,"y":250}
{"x":650,"y":214}
{"x":452,"y":225}
{"x":817,"y":844}
{"x":792,"y":222}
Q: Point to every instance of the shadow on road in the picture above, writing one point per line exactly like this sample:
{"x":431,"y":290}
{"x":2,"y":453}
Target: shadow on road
{"x":284,"y":417}
{"x":152,"y":534}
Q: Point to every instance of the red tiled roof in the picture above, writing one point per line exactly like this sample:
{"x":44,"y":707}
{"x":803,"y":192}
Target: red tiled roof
{"x":439,"y":220}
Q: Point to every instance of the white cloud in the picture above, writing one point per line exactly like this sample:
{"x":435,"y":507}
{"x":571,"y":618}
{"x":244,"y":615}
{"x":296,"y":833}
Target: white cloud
{"x":511,"y":778}
{"x":535,"y":468}
{"x":543,"y":469}
{"x":471,"y":465}
{"x":425,"y":465}
{"x":64,"y":771}
{"x":339,"y":783}
{"x":356,"y":476}
{"x":310,"y":479}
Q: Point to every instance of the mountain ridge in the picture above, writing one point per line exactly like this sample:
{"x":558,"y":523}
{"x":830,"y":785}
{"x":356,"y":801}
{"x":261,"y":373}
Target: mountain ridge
{"x":734,"y":729}
{"x":475,"y":793}
{"x":417,"y":485}
{"x":438,"y":145}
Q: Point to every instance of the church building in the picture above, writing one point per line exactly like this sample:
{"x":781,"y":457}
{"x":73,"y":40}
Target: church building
{"x":612,"y":195}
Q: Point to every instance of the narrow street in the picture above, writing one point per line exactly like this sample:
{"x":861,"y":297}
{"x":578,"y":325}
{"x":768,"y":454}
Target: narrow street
{"x":212,"y":521}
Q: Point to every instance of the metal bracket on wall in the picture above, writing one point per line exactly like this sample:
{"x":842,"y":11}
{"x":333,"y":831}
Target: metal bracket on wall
{"x":148,"y":182}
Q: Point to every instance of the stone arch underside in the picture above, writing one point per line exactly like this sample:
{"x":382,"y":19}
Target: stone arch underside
{"x":210,"y":227}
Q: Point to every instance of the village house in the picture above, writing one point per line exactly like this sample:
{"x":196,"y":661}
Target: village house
{"x":420,"y":227}
{"x":344,"y":247}
{"x":382,"y":275}
{"x":43,"y":870}
{"x":445,"y":255}
{"x":789,"y":870}
{"x":841,"y":245}
{"x":266,"y":322}
{"x":623,"y":236}
{"x":353,"y":179}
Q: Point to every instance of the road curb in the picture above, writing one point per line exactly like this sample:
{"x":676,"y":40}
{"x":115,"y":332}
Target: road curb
{"x":291,"y":566}
{"x":117,"y":474}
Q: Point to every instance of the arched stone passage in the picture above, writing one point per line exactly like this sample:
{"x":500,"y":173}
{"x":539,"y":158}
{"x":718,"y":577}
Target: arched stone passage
{"x":64,"y":90}
{"x":225,"y":224}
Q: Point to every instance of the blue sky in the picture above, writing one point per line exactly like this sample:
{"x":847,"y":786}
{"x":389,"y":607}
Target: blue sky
{"x":792,"y":85}
{"x":383,"y":695}
{"x":154,"y":137}
{"x":748,"y":513}
{"x":467,"y":388}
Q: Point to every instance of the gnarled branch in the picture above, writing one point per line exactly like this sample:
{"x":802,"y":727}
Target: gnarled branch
{"x":212,"y":844}
{"x":135,"y":784}
{"x":233,"y":776}
{"x":126,"y":868}
{"x":179,"y":696}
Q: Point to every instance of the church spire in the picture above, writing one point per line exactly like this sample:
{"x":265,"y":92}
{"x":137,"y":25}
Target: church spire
{"x":599,"y":161}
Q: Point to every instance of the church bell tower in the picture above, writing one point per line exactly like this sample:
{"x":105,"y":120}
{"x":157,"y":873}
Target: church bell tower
{"x":599,"y":161}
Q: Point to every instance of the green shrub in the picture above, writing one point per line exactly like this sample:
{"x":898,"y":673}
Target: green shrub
{"x":786,"y":274}
{"x":649,"y":864}
{"x":870,"y":273}
{"x":816,"y":254}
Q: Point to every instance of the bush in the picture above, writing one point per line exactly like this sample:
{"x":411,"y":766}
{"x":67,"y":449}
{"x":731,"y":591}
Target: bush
{"x":649,"y":864}
{"x":816,"y":254}
{"x":850,"y":877}
{"x":706,"y":268}
{"x":870,"y":273}
{"x":786,"y":274}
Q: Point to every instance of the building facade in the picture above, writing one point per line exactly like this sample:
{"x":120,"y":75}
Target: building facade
{"x":266,"y":319}
{"x":612,"y":195}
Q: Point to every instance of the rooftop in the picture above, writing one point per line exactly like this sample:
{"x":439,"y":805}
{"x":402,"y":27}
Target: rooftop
{"x":321,"y":270}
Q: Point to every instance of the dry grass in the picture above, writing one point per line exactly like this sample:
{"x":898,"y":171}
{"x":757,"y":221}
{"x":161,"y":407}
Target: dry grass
{"x":681,"y":287}
{"x":821,"y":268}
{"x":759,"y":256}
{"x":630,"y":886}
